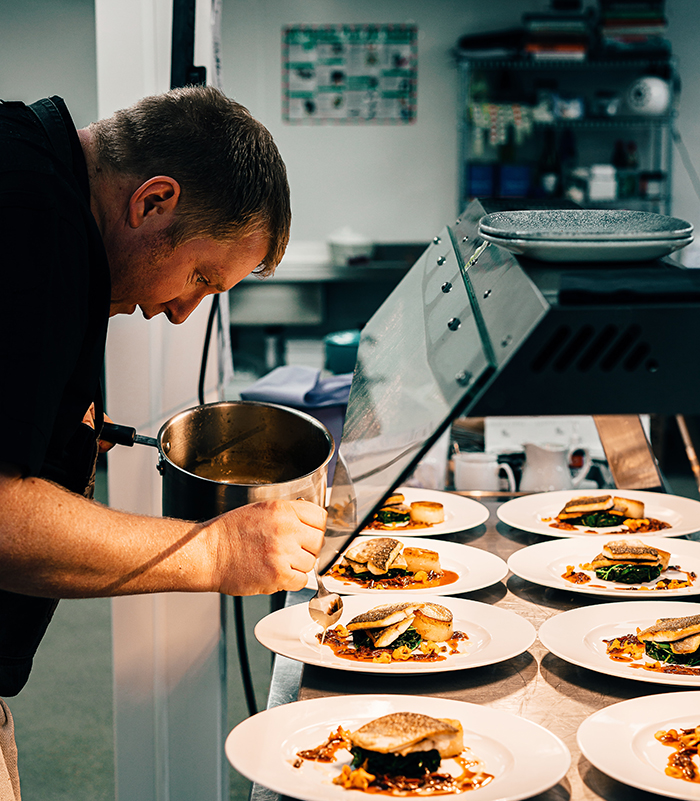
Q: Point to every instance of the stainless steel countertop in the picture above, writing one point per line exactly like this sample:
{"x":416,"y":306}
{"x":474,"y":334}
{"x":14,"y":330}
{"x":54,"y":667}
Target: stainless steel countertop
{"x":535,"y":685}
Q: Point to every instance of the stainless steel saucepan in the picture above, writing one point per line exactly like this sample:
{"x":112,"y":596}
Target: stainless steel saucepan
{"x":219,"y":456}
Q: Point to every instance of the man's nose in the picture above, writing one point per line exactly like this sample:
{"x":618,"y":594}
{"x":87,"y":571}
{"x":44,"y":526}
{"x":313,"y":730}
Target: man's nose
{"x":180,"y":309}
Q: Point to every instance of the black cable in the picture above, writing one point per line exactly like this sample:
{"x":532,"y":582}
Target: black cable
{"x":238,"y":614}
{"x":207,"y":339}
{"x":244,"y":662}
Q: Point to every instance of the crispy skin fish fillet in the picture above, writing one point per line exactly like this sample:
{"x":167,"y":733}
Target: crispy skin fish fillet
{"x":687,"y":645}
{"x":625,"y":552}
{"x":630,"y":550}
{"x":377,"y":554}
{"x":580,"y":506}
{"x":399,"y":561}
{"x":602,"y":561}
{"x":395,"y":499}
{"x":384,"y":615}
{"x":405,"y":732}
{"x":382,"y":638}
{"x":670,"y":629}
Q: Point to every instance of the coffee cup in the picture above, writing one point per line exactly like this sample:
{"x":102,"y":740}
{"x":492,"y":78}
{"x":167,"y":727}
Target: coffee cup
{"x":481,"y":471}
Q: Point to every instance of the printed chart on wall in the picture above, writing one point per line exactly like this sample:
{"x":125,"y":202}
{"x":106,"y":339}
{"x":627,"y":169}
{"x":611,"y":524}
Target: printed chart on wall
{"x":349,"y":74}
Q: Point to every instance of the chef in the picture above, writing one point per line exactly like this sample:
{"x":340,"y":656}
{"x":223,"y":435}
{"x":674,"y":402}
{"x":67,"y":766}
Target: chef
{"x":176,"y":198}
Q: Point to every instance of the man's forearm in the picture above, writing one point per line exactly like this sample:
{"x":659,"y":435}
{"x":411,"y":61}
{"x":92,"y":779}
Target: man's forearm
{"x":56,"y":544}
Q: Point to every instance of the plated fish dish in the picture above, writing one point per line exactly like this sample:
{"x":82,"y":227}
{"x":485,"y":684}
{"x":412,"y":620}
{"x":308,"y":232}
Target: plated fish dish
{"x":386,"y":563}
{"x":606,"y":511}
{"x":397,"y":514}
{"x":671,"y":645}
{"x":631,"y":561}
{"x":398,"y":632}
{"x":403,"y":754}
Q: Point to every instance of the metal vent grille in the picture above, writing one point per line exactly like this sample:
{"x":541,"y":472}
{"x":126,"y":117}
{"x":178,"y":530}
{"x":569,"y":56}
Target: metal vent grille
{"x":585,"y":348}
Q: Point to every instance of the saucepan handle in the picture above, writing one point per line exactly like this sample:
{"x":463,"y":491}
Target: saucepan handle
{"x":125,"y":435}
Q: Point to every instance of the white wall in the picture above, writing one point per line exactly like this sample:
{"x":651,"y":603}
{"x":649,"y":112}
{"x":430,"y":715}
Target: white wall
{"x":391,"y":183}
{"x":399,"y":183}
{"x":47,"y":47}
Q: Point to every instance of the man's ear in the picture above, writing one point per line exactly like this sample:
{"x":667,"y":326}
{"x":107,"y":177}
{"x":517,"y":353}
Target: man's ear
{"x":155,"y":200}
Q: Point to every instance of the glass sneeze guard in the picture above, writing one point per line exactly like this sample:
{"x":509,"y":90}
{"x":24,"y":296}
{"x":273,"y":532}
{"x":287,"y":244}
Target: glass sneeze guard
{"x":420,"y":358}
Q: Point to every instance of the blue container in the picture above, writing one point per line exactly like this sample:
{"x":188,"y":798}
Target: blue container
{"x":480,"y":180}
{"x":515,"y":180}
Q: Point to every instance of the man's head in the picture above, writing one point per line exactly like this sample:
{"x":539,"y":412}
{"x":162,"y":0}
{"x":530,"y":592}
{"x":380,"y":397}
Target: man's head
{"x":232,"y":178}
{"x":200,"y":170}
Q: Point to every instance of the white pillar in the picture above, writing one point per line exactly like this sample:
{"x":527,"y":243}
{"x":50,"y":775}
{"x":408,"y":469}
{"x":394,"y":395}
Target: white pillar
{"x":169,"y":655}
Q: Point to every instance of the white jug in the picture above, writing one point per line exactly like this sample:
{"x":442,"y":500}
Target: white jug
{"x":480,"y":471}
{"x":547,"y":468}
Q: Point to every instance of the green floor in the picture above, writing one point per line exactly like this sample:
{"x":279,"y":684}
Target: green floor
{"x":63,"y":717}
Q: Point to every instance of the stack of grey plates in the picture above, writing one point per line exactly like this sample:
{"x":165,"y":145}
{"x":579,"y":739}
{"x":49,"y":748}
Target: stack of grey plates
{"x":586,"y":234}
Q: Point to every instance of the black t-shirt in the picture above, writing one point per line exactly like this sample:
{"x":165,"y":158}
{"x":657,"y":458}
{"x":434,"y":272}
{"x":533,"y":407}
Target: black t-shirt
{"x":53,"y":326}
{"x":56,"y":286}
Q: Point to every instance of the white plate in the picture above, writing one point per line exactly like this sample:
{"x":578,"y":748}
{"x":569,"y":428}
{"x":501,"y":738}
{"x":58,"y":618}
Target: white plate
{"x":495,"y":635}
{"x":524,"y":758}
{"x":619,"y":741}
{"x":526,"y":512}
{"x":545,"y":563}
{"x":596,"y":224}
{"x":589,"y":250}
{"x":460,"y":514}
{"x":577,"y":636}
{"x":475,"y":567}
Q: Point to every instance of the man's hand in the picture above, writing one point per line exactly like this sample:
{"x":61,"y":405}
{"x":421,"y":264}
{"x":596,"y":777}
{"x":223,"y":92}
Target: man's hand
{"x":265,"y":547}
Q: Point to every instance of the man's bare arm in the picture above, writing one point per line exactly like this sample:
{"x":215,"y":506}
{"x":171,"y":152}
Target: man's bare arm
{"x":56,"y":544}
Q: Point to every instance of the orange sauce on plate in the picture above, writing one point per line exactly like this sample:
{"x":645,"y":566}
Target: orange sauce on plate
{"x":402,"y":582}
{"x":344,"y":648}
{"x":681,"y":764}
{"x":377,"y":525}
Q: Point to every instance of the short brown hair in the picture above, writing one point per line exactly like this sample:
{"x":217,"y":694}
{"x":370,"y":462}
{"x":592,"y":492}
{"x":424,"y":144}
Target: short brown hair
{"x":231,"y":174}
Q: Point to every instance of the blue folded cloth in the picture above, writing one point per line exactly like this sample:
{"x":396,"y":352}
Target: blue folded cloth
{"x":301,"y":387}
